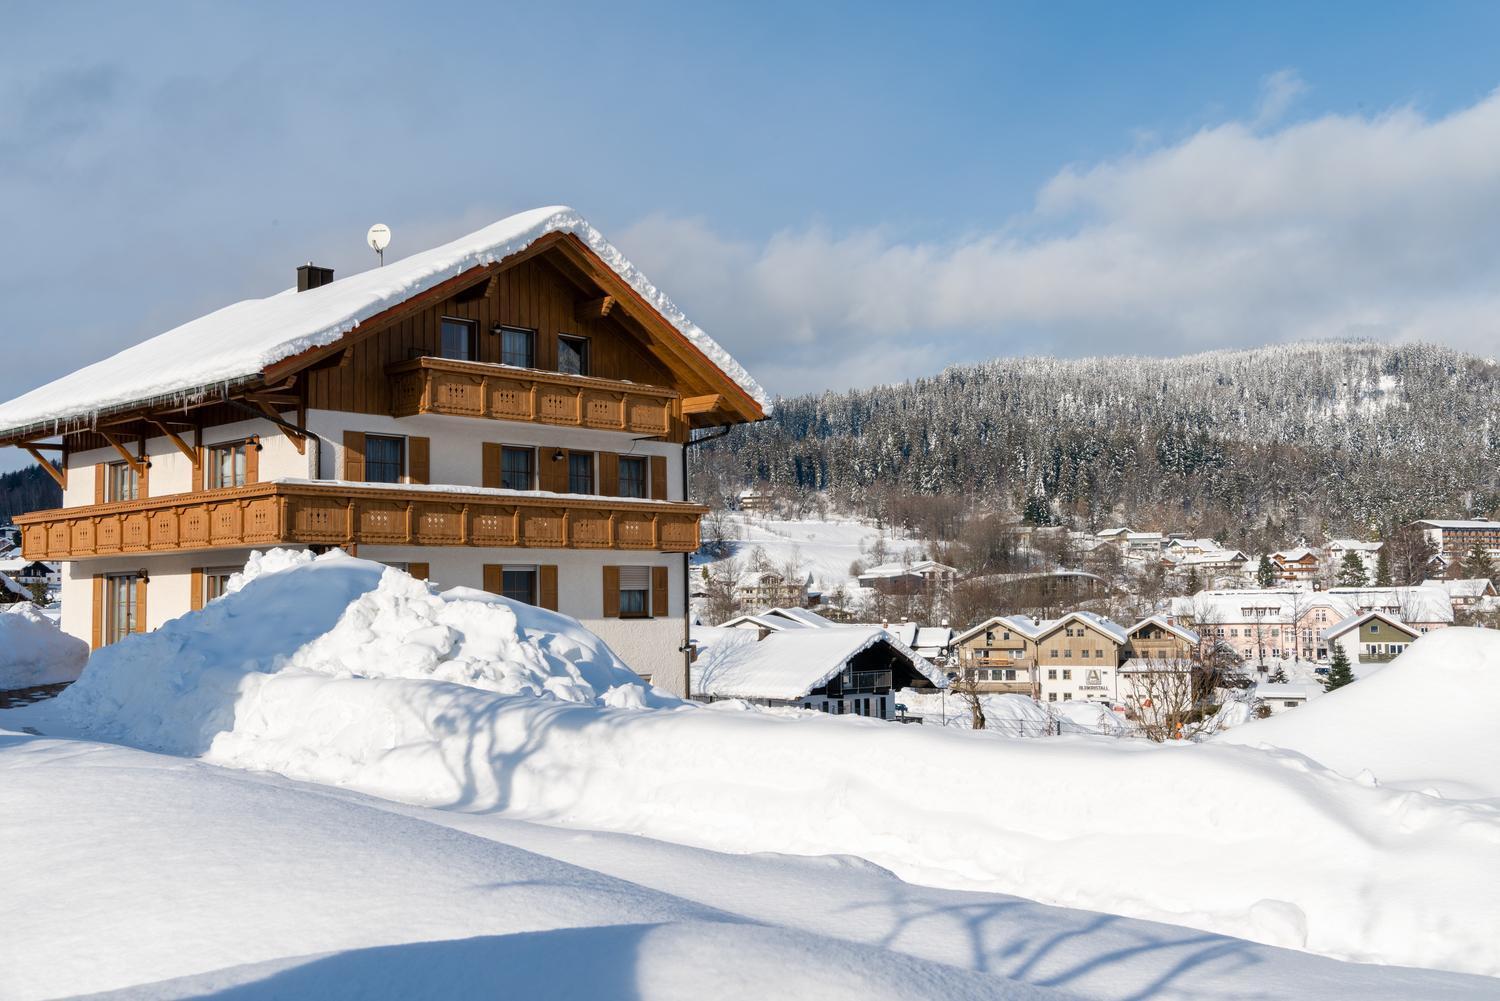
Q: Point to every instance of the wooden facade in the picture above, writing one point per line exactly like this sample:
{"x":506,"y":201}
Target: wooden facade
{"x":349,"y":516}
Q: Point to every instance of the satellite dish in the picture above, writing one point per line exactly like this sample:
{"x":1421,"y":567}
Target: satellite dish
{"x":379,"y":237}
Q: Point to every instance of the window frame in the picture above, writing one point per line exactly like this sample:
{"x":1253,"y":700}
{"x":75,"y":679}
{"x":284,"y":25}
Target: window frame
{"x":533,"y":572}
{"x":112,"y":490}
{"x":582,"y":342}
{"x":532,"y":472}
{"x":213,"y":576}
{"x":471,"y":338}
{"x":214,"y":473}
{"x":401,"y":459}
{"x":593,"y":479}
{"x":114,"y":584}
{"x":645,"y":476}
{"x":505,"y":329}
{"x":626,"y":612}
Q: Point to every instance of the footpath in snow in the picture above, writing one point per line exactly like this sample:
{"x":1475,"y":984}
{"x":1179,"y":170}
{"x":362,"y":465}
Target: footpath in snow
{"x":372,"y":682}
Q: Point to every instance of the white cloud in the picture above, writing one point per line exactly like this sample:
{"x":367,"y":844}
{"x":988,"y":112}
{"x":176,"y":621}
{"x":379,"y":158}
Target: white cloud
{"x":1277,"y":93}
{"x":1385,"y":226}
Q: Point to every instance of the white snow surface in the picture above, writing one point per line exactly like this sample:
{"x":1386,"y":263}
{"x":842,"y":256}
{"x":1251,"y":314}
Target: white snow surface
{"x":1423,"y":721}
{"x":219,"y":882}
{"x":34,"y":651}
{"x":241,"y":340}
{"x":1377,"y":874}
{"x":787,"y":665}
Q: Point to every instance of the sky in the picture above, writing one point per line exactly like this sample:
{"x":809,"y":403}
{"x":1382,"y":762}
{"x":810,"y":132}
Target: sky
{"x":841,"y":194}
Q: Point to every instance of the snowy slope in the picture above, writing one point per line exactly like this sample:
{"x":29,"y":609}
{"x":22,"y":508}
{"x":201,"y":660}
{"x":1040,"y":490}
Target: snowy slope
{"x":214,"y":880}
{"x":1424,"y":721}
{"x":240,"y":340}
{"x":823,"y":548}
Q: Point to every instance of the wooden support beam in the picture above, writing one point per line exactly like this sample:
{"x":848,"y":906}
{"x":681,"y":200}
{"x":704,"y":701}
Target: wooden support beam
{"x":492,"y":287}
{"x":44,"y":446}
{"x":594,"y":309}
{"x":60,"y":475}
{"x":176,"y":439}
{"x":701,"y":404}
{"x":273,"y":399}
{"x":134,"y":462}
{"x":300,"y":441}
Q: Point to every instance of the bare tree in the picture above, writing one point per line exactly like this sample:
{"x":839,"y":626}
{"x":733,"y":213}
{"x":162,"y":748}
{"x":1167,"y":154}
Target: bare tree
{"x":1166,"y":698}
{"x":718,"y":534}
{"x":722,"y":590}
{"x":965,"y":687}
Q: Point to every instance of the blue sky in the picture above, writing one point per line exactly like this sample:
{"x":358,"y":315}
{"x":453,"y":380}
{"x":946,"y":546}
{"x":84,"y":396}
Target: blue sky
{"x":842,"y":194}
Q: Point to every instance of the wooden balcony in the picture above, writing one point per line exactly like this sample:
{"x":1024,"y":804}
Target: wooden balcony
{"x":500,"y":392}
{"x":310,"y":513}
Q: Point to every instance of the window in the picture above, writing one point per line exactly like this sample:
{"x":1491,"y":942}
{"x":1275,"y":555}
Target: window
{"x":1051,"y":696}
{"x":635,"y":592}
{"x":1052,"y":675}
{"x":457,"y":339}
{"x":572,"y":355}
{"x":121,"y":483}
{"x":518,"y":347}
{"x":1067,"y":696}
{"x":216,"y":582}
{"x":385,"y":458}
{"x":120,"y":609}
{"x":1085,"y":653}
{"x":226,"y":465}
{"x":580,"y":472}
{"x":516,"y":468}
{"x":1374,"y":627}
{"x":1067,"y":675}
{"x":1099,"y":654}
{"x":519,"y":584}
{"x":1054,"y":652}
{"x":632,"y":477}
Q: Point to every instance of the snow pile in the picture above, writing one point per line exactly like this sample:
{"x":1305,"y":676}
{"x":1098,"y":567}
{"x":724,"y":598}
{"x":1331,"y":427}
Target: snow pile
{"x":34,"y":651}
{"x":240,"y":340}
{"x":1091,"y":717}
{"x":1423,"y":721}
{"x":291,"y":622}
{"x":1011,"y":715}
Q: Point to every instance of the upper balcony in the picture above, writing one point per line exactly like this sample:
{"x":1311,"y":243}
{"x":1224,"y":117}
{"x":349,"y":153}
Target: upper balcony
{"x":501,"y":392}
{"x":308,"y":512}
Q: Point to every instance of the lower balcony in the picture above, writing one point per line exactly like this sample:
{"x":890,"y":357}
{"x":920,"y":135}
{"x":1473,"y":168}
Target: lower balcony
{"x":305,"y":512}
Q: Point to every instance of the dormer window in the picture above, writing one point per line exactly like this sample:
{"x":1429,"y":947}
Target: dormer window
{"x":457,"y":339}
{"x":572,"y":355}
{"x":518,"y":347}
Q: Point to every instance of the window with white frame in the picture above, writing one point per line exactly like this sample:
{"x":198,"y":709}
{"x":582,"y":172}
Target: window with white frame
{"x":635,"y":592}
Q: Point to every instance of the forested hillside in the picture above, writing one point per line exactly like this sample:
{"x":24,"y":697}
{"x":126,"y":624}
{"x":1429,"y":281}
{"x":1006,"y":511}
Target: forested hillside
{"x":29,"y":489}
{"x":1297,"y":439}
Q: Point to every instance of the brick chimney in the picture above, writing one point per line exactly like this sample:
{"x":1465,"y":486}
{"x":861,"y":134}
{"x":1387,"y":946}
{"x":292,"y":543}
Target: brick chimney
{"x":310,"y":276}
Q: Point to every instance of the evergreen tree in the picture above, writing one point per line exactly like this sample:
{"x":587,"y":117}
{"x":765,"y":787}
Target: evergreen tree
{"x":1036,"y":511}
{"x":1382,"y":569}
{"x":1339,"y":672}
{"x":1278,"y":677}
{"x":1265,"y":574}
{"x":1352,"y":571}
{"x":1478,"y":564}
{"x":1194,"y":583}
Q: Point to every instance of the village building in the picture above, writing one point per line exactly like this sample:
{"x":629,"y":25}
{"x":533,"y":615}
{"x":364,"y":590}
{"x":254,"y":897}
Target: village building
{"x":1277,"y":698}
{"x":921,"y":577}
{"x":1466,"y":593}
{"x":1456,"y":538}
{"x":1370,"y":637}
{"x":841,"y":670}
{"x":999,"y":654}
{"x":1214,"y":567}
{"x":1297,"y":566}
{"x":511,"y":411}
{"x":772,"y":587}
{"x":1338,"y":549}
{"x":1077,"y":657}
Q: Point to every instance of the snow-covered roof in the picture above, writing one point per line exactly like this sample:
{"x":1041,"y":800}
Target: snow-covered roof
{"x":1161,"y":623}
{"x":1290,"y":690}
{"x":238,"y":342}
{"x":1352,"y":622}
{"x":933,"y":638}
{"x":1468,"y":587}
{"x":1418,"y":603}
{"x":9,"y":585}
{"x":805,"y":616}
{"x":1354,"y":544}
{"x":1217,"y":557}
{"x":788,"y":665}
{"x":761,"y":621}
{"x":1298,"y":555}
{"x":1446,"y":523}
{"x":1110,"y":628}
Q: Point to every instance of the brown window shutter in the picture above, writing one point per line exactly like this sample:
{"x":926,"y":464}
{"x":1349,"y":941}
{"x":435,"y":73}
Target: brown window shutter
{"x":547,"y":585}
{"x":140,"y":604}
{"x":659,"y":591}
{"x":418,"y":570}
{"x":252,"y":461}
{"x":195,"y":597}
{"x":491,"y":465}
{"x":98,"y":610}
{"x":611,"y":592}
{"x":100,"y":472}
{"x":492,"y":580}
{"x":553,"y":473}
{"x":418,"y":460}
{"x":609,"y":474}
{"x":354,"y":456}
{"x":658,"y":477}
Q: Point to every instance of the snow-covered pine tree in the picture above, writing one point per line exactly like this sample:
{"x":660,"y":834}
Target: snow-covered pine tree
{"x":1352,"y":571}
{"x":1478,"y":564}
{"x":1265,"y":573}
{"x":1382,"y":569}
{"x":1278,"y":676}
{"x":1339,"y":671}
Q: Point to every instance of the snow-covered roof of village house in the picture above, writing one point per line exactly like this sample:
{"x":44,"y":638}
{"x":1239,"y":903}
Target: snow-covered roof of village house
{"x":1294,"y":555}
{"x":1156,"y":620}
{"x":1289,"y":690}
{"x":787,"y":665}
{"x":1413,"y":604}
{"x":1354,"y":544}
{"x":1358,"y":619}
{"x":1467,"y":587}
{"x":1458,"y":523}
{"x":238,"y":342}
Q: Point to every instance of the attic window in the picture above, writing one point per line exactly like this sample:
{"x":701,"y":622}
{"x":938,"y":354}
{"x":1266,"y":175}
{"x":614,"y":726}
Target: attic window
{"x":457,"y":339}
{"x":572,"y":355}
{"x":518,"y":347}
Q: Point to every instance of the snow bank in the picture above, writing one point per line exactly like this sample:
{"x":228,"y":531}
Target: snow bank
{"x":1011,"y":715}
{"x":34,"y":651}
{"x":242,"y":339}
{"x":293,"y":622}
{"x":1091,"y":717}
{"x":1423,"y":721}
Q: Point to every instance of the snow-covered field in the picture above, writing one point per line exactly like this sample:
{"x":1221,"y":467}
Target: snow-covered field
{"x":482,"y":715}
{"x":826,"y":549}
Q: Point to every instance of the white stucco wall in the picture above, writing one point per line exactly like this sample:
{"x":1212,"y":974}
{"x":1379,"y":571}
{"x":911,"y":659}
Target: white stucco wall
{"x":168,"y":591}
{"x":457,"y":449}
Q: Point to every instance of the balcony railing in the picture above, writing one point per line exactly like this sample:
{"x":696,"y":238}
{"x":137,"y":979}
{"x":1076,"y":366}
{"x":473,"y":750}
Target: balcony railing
{"x":500,"y":392}
{"x":342,"y":514}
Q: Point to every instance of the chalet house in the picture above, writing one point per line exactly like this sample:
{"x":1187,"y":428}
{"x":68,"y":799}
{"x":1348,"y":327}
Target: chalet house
{"x":1370,"y":637}
{"x":921,"y":577}
{"x":1453,"y":539}
{"x":840,"y":670}
{"x":1077,"y":657}
{"x":999,"y":654}
{"x":1299,"y":565}
{"x":1466,"y":592}
{"x":1337,"y":549}
{"x":510,"y":411}
{"x":771,"y":587}
{"x":1213,"y":565}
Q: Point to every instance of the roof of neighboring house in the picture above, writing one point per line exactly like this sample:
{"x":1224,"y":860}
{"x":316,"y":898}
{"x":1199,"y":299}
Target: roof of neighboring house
{"x":1213,"y":557}
{"x":1418,"y":603}
{"x":1290,"y":690}
{"x":1355,"y":544}
{"x":1457,"y":523}
{"x":1468,"y":587}
{"x":1110,"y":533}
{"x":1110,"y":628}
{"x":9,"y":585}
{"x":1161,"y":623}
{"x":932,"y":638}
{"x":788,"y":665}
{"x":239,"y":342}
{"x":1352,"y":622}
{"x":771,"y":622}
{"x":1299,"y":555}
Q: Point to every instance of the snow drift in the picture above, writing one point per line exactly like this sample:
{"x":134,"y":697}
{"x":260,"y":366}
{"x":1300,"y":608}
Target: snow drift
{"x":34,"y":651}
{"x":1423,"y":721}
{"x":339,"y":671}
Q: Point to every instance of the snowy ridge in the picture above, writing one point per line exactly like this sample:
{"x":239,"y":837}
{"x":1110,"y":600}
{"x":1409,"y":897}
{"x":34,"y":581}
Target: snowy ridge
{"x":237,"y":342}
